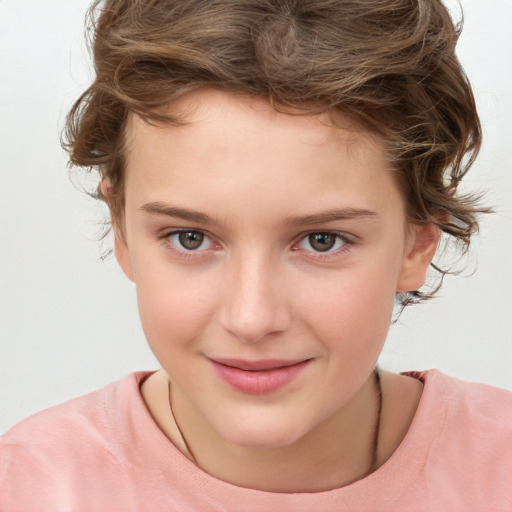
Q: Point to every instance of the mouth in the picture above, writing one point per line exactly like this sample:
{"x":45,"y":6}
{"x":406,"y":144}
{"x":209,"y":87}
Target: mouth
{"x":258,"y":377}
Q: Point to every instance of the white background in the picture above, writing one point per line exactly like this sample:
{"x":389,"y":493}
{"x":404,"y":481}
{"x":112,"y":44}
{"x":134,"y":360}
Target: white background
{"x":68,"y":321}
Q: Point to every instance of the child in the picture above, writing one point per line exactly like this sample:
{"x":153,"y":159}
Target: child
{"x":278,"y":173}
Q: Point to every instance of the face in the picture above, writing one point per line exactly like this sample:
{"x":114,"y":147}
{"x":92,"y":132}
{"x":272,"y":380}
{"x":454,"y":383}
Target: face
{"x":267,"y":250}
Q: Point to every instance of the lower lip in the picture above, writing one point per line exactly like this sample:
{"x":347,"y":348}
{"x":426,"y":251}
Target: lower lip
{"x":259,"y":382}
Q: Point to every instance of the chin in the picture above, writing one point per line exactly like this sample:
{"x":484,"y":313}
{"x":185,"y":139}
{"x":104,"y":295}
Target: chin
{"x":262,"y":437}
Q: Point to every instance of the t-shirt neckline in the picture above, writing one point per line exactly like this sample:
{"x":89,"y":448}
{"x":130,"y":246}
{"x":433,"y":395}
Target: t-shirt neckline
{"x":392,"y":478}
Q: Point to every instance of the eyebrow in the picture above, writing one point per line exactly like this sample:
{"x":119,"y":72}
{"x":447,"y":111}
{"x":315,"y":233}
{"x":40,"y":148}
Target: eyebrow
{"x":331,"y":215}
{"x":181,"y":213}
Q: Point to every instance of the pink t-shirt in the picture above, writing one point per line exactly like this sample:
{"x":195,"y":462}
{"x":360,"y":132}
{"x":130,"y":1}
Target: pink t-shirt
{"x":103,"y":452}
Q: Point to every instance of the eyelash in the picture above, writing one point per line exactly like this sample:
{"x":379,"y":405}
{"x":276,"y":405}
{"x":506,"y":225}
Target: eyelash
{"x":319,"y":255}
{"x":183,"y":252}
{"x":191,"y":253}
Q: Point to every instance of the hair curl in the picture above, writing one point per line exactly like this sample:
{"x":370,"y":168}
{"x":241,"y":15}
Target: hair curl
{"x":388,"y":64}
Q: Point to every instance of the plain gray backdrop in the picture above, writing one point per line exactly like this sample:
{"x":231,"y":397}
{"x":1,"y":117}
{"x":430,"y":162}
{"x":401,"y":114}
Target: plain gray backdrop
{"x":68,"y":321}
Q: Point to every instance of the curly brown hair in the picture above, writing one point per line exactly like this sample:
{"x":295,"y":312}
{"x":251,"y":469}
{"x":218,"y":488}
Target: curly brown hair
{"x":388,"y":64}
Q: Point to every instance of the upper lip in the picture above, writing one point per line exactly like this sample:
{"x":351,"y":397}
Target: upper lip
{"x":263,"y":364}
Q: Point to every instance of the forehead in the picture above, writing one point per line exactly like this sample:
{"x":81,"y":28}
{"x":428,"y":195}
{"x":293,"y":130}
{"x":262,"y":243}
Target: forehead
{"x":250,"y":114}
{"x":238,"y":151}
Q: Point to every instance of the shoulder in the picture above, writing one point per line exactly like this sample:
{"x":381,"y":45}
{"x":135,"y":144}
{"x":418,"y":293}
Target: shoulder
{"x":478,"y":418}
{"x":471,"y":411}
{"x":466,"y":431}
{"x":63,"y":445}
{"x":47,"y":425}
{"x":482,"y":405}
{"x":87,"y":413}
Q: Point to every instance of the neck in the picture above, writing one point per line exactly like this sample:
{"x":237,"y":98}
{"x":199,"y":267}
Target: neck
{"x":337,"y":452}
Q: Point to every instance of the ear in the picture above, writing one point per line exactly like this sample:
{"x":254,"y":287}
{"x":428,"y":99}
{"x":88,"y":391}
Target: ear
{"x":121,"y":249}
{"x":123,"y":254}
{"x":421,"y":247}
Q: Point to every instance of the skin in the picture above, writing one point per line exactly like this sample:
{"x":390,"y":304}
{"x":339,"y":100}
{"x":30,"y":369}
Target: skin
{"x":257,"y":289}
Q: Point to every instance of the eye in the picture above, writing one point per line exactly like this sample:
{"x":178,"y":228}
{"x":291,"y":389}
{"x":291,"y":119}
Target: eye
{"x":322,"y":242}
{"x":190,"y":240}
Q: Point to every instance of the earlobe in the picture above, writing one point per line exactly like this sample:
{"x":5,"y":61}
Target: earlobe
{"x":422,"y":246}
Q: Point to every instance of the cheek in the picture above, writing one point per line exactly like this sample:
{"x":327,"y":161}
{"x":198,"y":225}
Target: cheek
{"x":353,"y":310}
{"x":174,"y":307}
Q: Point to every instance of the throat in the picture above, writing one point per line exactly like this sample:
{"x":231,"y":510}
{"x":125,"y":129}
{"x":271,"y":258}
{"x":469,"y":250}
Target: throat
{"x":339,"y":451}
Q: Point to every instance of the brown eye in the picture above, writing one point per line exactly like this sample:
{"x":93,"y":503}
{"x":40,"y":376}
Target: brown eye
{"x":322,"y":242}
{"x":191,"y":240}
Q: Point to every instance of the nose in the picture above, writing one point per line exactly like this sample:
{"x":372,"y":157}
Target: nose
{"x":255,"y":302}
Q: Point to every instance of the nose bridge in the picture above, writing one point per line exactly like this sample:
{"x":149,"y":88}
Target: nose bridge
{"x":254,"y":302}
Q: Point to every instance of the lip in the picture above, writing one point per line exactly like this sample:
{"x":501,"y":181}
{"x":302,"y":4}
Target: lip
{"x":258,"y":377}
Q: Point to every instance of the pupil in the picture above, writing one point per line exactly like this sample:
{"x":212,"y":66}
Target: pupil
{"x":191,"y":239}
{"x":322,"y":241}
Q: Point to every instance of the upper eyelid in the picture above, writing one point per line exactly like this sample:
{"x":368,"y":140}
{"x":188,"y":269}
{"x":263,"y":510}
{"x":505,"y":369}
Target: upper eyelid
{"x":164,"y":233}
{"x":342,"y":234}
{"x":347,"y":237}
{"x":183,"y":252}
{"x":347,"y":242}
